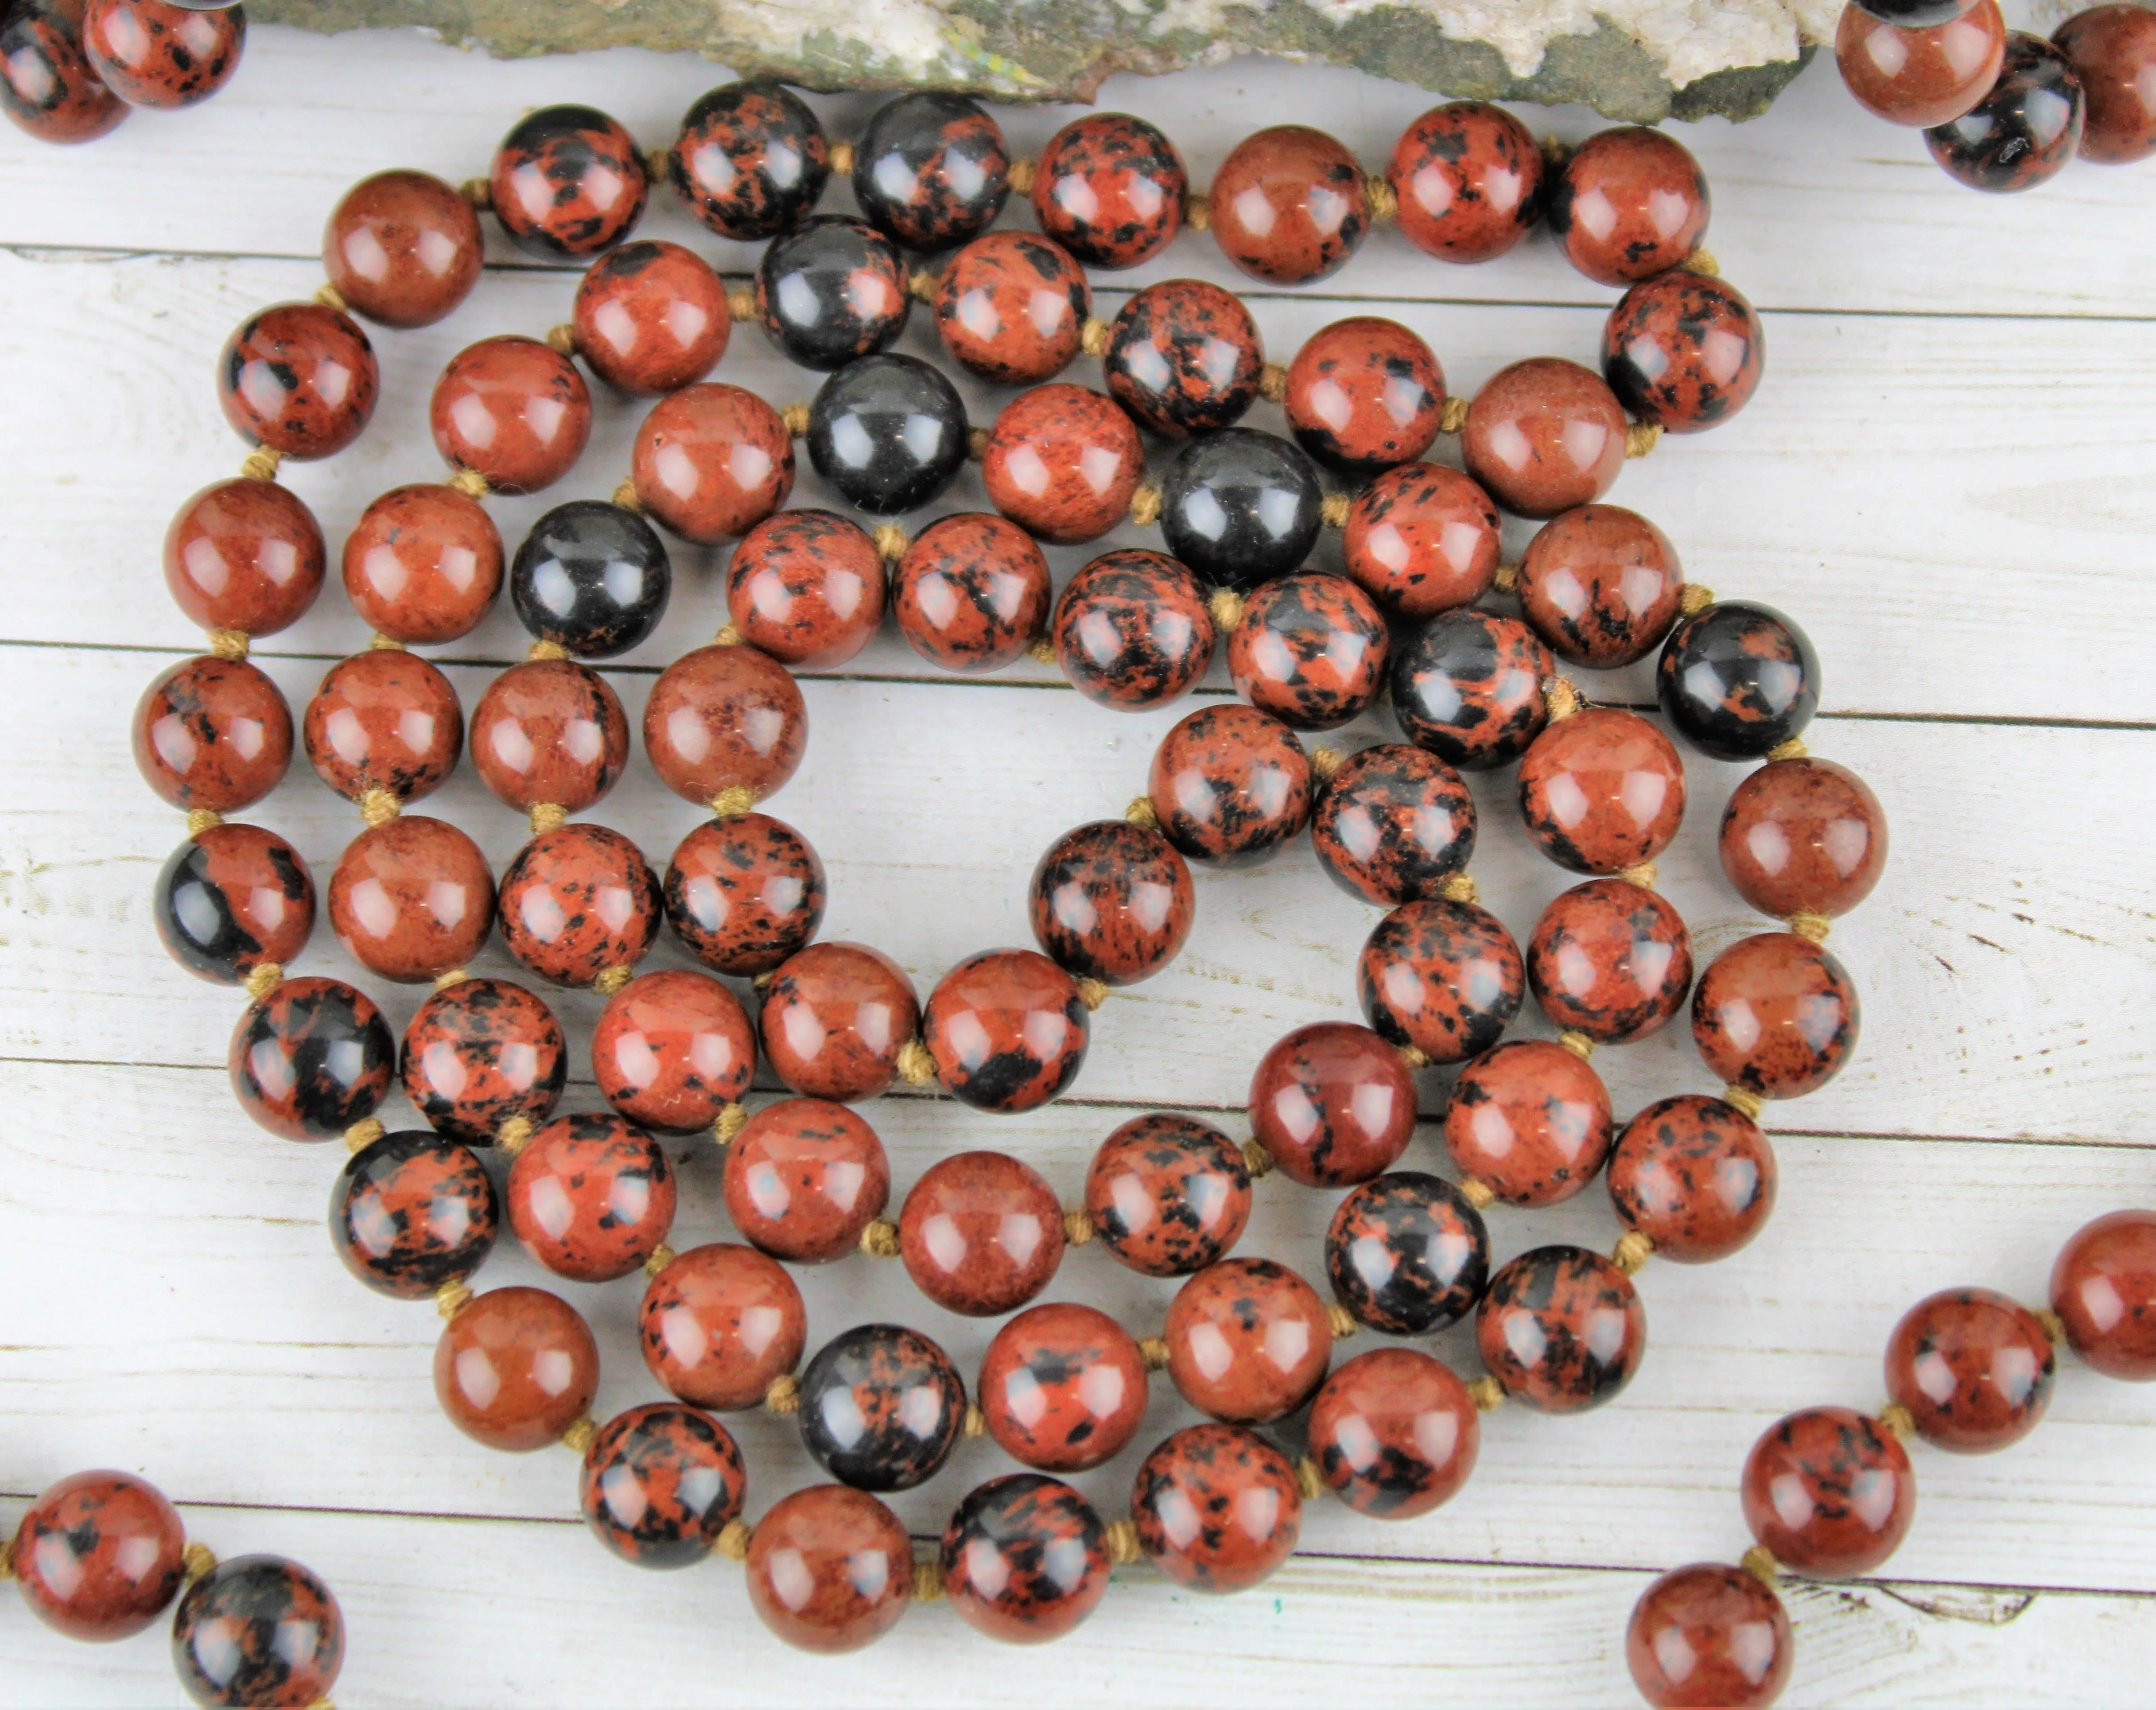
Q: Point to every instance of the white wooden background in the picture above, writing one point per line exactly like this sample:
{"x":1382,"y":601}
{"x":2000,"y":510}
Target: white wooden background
{"x":1949,"y":477}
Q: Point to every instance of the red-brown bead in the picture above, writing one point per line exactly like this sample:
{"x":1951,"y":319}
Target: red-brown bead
{"x":1395,"y":1433}
{"x":1544,"y":435}
{"x":971,"y":593}
{"x":516,"y":1368}
{"x":806,"y":587}
{"x":1829,"y":1492}
{"x":1132,"y":630}
{"x":411,"y":898}
{"x":1422,"y":539}
{"x":1289,"y":205}
{"x":1111,"y":902}
{"x":1309,"y":650}
{"x":1708,"y":1634}
{"x":1610,"y":959}
{"x":1011,"y":306}
{"x":403,"y":249}
{"x":744,"y":893}
{"x":1561,"y":1329}
{"x":1602,"y":790}
{"x":1694,"y":1176}
{"x":590,"y":1196}
{"x":1921,"y":77}
{"x":153,"y":54}
{"x":1247,"y":1340}
{"x":1468,"y":178}
{"x":212,"y":733}
{"x":1063,"y":1388}
{"x":1775,"y":1014}
{"x":1530,"y":1120}
{"x":830,"y":1570}
{"x":1062,"y":462}
{"x":300,"y":379}
{"x":2112,"y":49}
{"x":1630,"y":202}
{"x":578,"y":901}
{"x":981,"y":1233}
{"x":719,"y":1323}
{"x":47,"y":85}
{"x":1111,"y":189}
{"x":423,"y":564}
{"x":1168,"y":1195}
{"x":712,"y":461}
{"x":550,"y":730}
{"x":803,"y":1178}
{"x":833,"y":1019}
{"x":1007,"y":1030}
{"x":650,"y":317}
{"x":482,"y":1053}
{"x":1973,"y":1368}
{"x":384,"y":720}
{"x":1333,"y":1104}
{"x":2103,"y":1288}
{"x":245,"y":555}
{"x":1217,"y":1509}
{"x":512,"y":410}
{"x":672,"y":1049}
{"x":1229,"y":785}
{"x":1364,"y":395}
{"x":1804,"y":836}
{"x":1600,"y":585}
{"x":98,"y":1555}
{"x":724,"y":718}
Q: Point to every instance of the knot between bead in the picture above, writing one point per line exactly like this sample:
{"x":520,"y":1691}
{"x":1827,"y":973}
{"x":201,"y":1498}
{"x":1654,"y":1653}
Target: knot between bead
{"x":741,"y":304}
{"x":1563,"y":698}
{"x":1694,"y":596}
{"x":840,"y":155}
{"x":732,"y":802}
{"x":363,"y":1133}
{"x":197,"y":1561}
{"x":1701,"y":260}
{"x":513,"y":1135}
{"x":229,"y":644}
{"x":1452,"y":416}
{"x":627,"y":498}
{"x":543,"y":649}
{"x":1459,"y":888}
{"x":578,"y":1438}
{"x":1744,"y":1099}
{"x":796,"y":417}
{"x":469,"y":482}
{"x":1093,"y":337}
{"x":1794,"y":749}
{"x":890,"y":542}
{"x":732,"y":1118}
{"x":1641,"y":873}
{"x":1021,"y":174}
{"x":1898,"y":1421}
{"x":733,"y":1540}
{"x":1341,"y":1321}
{"x":1077,"y":1226}
{"x":1257,"y":1160}
{"x":562,"y":339}
{"x":1506,"y":579}
{"x":260,"y":464}
{"x":1334,"y":509}
{"x":545,"y":817}
{"x":450,"y":977}
{"x":1809,"y":927}
{"x":1198,"y":210}
{"x":1094,"y":992}
{"x":1154,"y":1350}
{"x":1145,"y":505}
{"x":378,"y":807}
{"x":916,"y":1066}
{"x":1760,"y":1563}
{"x":612,"y":979}
{"x":1633,"y":1249}
{"x":1272,"y":382}
{"x":261,"y":979}
{"x":1122,"y":1541}
{"x":1325,"y":761}
{"x":921,"y":285}
{"x":1487,"y":1394}
{"x":1641,"y":438}
{"x":1577,"y":1043}
{"x":783,"y":1395}
{"x":1140,"y":813}
{"x":928,"y":1581}
{"x":879,"y":1238}
{"x":1477,"y":1193}
{"x":1309,"y":1480}
{"x":1384,"y":202}
{"x":450,"y":1299}
{"x":202,"y":820}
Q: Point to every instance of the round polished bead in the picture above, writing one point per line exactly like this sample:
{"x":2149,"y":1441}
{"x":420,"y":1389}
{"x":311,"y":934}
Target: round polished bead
{"x":383,"y":720}
{"x":1110,"y":188}
{"x":403,"y":249}
{"x":1709,"y":1635}
{"x":1392,"y":823}
{"x":567,"y":181}
{"x":411,"y":898}
{"x":721,"y":1324}
{"x":1007,"y":1030}
{"x":1602,"y":790}
{"x":1804,"y":836}
{"x":1240,"y":507}
{"x":1111,"y":902}
{"x":1407,"y":1254}
{"x":882,"y":1407}
{"x":1024,"y":1559}
{"x":2112,"y":51}
{"x":712,"y":461}
{"x":1531,"y":1120}
{"x":1395,"y":1434}
{"x":1184,"y":357}
{"x":47,"y":85}
{"x":516,"y":1368}
{"x":981,"y":1233}
{"x":1364,"y":395}
{"x":2103,"y":1288}
{"x":971,"y":593}
{"x":512,"y":410}
{"x":1468,"y":686}
{"x":803,"y":1178}
{"x":1610,"y":959}
{"x":2026,"y":128}
{"x":659,"y":1483}
{"x":751,"y":159}
{"x":1468,"y":178}
{"x":1247,"y":1340}
{"x":744,"y":893}
{"x":806,"y":587}
{"x":672,"y":1049}
{"x":299,"y":379}
{"x":1694,"y":1176}
{"x":1422,"y":539}
{"x":1012,"y":307}
{"x":578,"y":901}
{"x":1630,"y":203}
{"x":1168,"y":1195}
{"x":1289,"y":205}
{"x":1776,"y":1015}
{"x":423,"y":564}
{"x":258,"y":1629}
{"x":245,"y":555}
{"x":590,"y":1196}
{"x":830,"y":1570}
{"x":1063,"y":1388}
{"x":1829,"y":1492}
{"x":723,"y":718}
{"x":833,"y":1019}
{"x":482,"y":1053}
{"x":1333,"y":1104}
{"x":1229,"y":785}
{"x":234,"y":898}
{"x":212,"y":733}
{"x":1544,"y":435}
{"x":1443,"y":977}
{"x":1132,"y":631}
{"x":1561,"y":1329}
{"x":1217,"y":1509}
{"x":310,"y":1058}
{"x":888,"y":432}
{"x":650,"y":317}
{"x":98,"y":1555}
{"x":1920,"y":74}
{"x":1737,"y":680}
{"x":930,"y":170}
{"x":153,"y":54}
{"x":412,"y":1212}
{"x":1683,"y":351}
{"x":552,"y":730}
{"x":1973,"y":1368}
{"x":1600,"y":585}
{"x":1309,"y":650}
{"x":1062,"y":462}
{"x":832,"y":290}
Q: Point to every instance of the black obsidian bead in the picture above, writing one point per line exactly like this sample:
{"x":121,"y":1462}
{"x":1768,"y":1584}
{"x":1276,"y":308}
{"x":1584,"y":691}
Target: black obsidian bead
{"x":1407,"y":1254}
{"x":1915,"y":14}
{"x":311,"y":1058}
{"x":1468,"y":686}
{"x":888,"y":432}
{"x":413,"y":1211}
{"x":931,"y":170}
{"x":2025,"y":131}
{"x":231,"y":899}
{"x":881,"y":1407}
{"x":1737,"y":680}
{"x":751,"y":159}
{"x":831,"y":290}
{"x":258,"y":1629}
{"x":1240,"y":507}
{"x":592,"y":577}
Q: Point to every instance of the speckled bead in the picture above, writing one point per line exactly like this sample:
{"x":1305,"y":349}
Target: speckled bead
{"x":1468,"y":686}
{"x":1631,"y":203}
{"x":1011,"y":306}
{"x":590,"y":1196}
{"x":1217,"y":1509}
{"x":423,"y":564}
{"x":712,"y":461}
{"x":516,"y":1367}
{"x":1561,"y":1329}
{"x":245,"y":555}
{"x":1737,"y":680}
{"x":1610,"y":959}
{"x":1694,"y":1176}
{"x":1169,"y":1195}
{"x":1229,"y":785}
{"x":1247,"y":1340}
{"x":806,"y":587}
{"x":1309,"y":650}
{"x":1111,"y":902}
{"x":1468,"y":178}
{"x":831,"y":290}
{"x":1920,"y":75}
{"x":47,"y":85}
{"x":411,"y":1212}
{"x":1407,"y":1254}
{"x":1422,"y":539}
{"x":803,"y":1178}
{"x":383,"y":720}
{"x":567,"y":181}
{"x":212,"y":733}
{"x":981,"y":1233}
{"x":258,"y":1629}
{"x":98,"y":1555}
{"x":2112,"y":51}
{"x":1024,"y":1559}
{"x":659,"y":1482}
{"x":411,"y":898}
{"x":1240,"y":507}
{"x":1709,"y":1635}
{"x":1007,"y":1030}
{"x":311,"y":1058}
{"x":550,"y":730}
{"x":1531,"y":1120}
{"x":1289,"y":205}
{"x":1683,"y":351}
{"x":1600,"y":585}
{"x":299,"y":379}
{"x":482,"y":1053}
{"x":232,"y":899}
{"x":2025,"y":129}
{"x":1110,"y":188}
{"x":931,"y":170}
{"x":830,"y":1570}
{"x":1829,"y":1492}
{"x":1803,"y":836}
{"x":672,"y":1049}
{"x":834,"y":1018}
{"x":744,"y":893}
{"x":1364,"y":395}
{"x":1184,"y":357}
{"x":513,"y":410}
{"x":1395,"y":1434}
{"x":1132,"y":631}
{"x":1443,"y":977}
{"x":650,"y":317}
{"x":1063,"y":1388}
{"x":1602,"y":791}
{"x":2103,"y":1288}
{"x":1544,"y":435}
{"x":1333,"y":1104}
{"x":577,"y":902}
{"x":1392,"y":823}
{"x":1973,"y":1368}
{"x":403,"y":249}
{"x":720,"y":1324}
{"x":1775,"y":1014}
{"x":152,"y":54}
{"x":750,"y":160}
{"x":971,"y":593}
{"x":1062,"y":462}
{"x":722,"y":718}
{"x":888,"y":432}
{"x":882,"y":1407}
